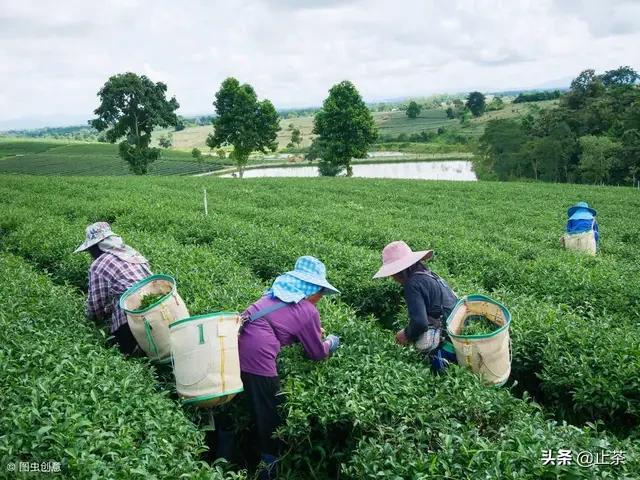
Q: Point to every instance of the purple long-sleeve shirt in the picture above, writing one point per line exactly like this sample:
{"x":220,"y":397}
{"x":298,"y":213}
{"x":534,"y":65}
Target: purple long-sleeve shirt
{"x":262,"y":340}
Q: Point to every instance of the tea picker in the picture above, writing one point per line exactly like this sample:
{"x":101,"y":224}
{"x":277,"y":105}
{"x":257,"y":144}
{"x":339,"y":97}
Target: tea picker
{"x":286,"y":314}
{"x":429,"y":300}
{"x":440,"y":326}
{"x":115,"y":268}
{"x":582,"y":232}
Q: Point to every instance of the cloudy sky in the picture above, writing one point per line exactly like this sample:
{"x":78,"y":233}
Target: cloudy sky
{"x":55,"y":55}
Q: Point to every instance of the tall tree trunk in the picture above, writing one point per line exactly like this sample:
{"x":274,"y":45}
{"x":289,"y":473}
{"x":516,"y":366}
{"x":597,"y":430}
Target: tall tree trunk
{"x":349,"y":170}
{"x":137,"y":130}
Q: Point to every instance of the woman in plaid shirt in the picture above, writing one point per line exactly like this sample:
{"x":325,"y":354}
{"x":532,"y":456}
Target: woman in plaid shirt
{"x":115,"y":268}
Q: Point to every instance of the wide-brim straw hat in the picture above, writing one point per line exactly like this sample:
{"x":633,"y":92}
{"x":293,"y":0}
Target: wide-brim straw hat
{"x":96,"y":232}
{"x":398,"y":256}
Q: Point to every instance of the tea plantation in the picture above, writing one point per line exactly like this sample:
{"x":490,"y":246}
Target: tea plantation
{"x":37,"y":157}
{"x":373,"y":410}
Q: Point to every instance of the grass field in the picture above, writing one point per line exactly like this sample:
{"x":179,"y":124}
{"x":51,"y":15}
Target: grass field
{"x":373,"y":410}
{"x":511,"y":110}
{"x":196,"y":136}
{"x":395,"y":123}
{"x":388,"y":123}
{"x":64,"y":158}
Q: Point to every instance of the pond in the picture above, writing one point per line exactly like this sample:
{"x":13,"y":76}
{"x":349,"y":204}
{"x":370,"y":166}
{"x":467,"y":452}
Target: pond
{"x":447,"y":170}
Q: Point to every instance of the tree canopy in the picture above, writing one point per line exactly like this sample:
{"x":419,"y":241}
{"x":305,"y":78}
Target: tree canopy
{"x":244,"y":122}
{"x":476,"y":103}
{"x":593,"y":136}
{"x":296,"y":137}
{"x":537,"y":96}
{"x":344,"y":127}
{"x":413,"y":110}
{"x":131,"y":106}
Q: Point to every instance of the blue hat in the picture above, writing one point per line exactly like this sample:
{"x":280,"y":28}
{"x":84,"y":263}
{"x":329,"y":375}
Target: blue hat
{"x":580,"y":206}
{"x":307,"y":277}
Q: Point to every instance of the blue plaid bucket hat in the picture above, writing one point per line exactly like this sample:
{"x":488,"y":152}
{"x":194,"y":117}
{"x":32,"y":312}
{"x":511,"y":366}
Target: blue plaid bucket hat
{"x":309,"y":276}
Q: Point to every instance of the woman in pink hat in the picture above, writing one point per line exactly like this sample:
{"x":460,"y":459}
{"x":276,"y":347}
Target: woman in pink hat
{"x":429,"y":300}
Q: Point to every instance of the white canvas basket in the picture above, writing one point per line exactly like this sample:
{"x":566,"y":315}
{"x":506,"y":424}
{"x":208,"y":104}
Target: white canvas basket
{"x":206,"y":364}
{"x":150,"y":326}
{"x":582,"y":242}
{"x":488,"y":355}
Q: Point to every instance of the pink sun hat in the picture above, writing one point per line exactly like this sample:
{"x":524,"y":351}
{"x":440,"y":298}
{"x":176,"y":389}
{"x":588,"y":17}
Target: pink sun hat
{"x":397,"y":256}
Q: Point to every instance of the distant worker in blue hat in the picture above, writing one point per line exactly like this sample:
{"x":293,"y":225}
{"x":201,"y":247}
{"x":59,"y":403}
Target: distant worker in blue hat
{"x":582,"y":228}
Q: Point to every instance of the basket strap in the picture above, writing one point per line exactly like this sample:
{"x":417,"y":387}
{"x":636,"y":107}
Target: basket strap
{"x":147,"y":331}
{"x":466,"y":348}
{"x":266,"y":311}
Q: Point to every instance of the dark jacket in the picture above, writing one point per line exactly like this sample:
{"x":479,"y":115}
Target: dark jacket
{"x":429,"y":299}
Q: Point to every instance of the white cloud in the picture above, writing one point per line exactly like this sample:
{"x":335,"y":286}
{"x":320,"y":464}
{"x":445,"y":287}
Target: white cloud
{"x":54,"y":56}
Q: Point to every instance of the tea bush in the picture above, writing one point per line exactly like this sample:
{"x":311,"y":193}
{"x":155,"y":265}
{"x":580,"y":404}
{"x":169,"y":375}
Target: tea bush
{"x":249,"y":226}
{"x":66,"y":399}
{"x":374,"y":410}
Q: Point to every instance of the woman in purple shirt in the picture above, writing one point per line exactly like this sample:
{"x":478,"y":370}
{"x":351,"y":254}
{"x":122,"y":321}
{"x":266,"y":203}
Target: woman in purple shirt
{"x":286,"y":314}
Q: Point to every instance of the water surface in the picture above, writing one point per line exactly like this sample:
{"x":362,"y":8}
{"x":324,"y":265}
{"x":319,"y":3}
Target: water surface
{"x":445,"y":170}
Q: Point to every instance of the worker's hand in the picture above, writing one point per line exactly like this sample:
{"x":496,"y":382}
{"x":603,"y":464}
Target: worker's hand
{"x":401,"y":338}
{"x":334,"y":343}
{"x":322,"y":331}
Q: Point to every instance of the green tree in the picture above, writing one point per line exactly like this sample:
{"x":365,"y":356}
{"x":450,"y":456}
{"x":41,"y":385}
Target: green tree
{"x":243,"y":122}
{"x":465,"y":117}
{"x":131,"y":106}
{"x":296,"y":137}
{"x":165,"y":141}
{"x":584,"y":86}
{"x":476,"y":103}
{"x":221,"y":154}
{"x":499,"y":151}
{"x":629,"y":164}
{"x":180,"y":124}
{"x":550,"y":157}
{"x":601,"y":110}
{"x":413,"y":110}
{"x":619,"y":76}
{"x":597,"y":156}
{"x":495,"y":104}
{"x":558,"y":149}
{"x":344,"y":128}
{"x":328,"y":169}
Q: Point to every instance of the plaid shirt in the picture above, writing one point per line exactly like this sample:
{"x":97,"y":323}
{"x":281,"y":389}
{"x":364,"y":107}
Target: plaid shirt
{"x":109,"y":278}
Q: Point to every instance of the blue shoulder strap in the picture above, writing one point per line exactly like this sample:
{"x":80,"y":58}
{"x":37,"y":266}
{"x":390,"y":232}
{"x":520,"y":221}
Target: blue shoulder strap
{"x":266,"y":311}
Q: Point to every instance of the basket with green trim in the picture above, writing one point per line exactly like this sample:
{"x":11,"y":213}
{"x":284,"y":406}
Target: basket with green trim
{"x":151,"y":305}
{"x":206,"y":364}
{"x":479,"y":331}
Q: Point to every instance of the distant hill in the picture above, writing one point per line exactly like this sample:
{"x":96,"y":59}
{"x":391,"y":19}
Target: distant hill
{"x":42,"y":121}
{"x":35,"y":122}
